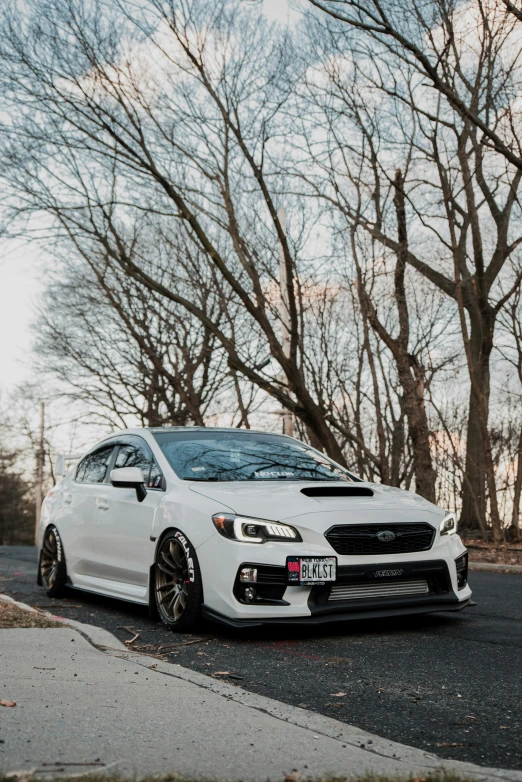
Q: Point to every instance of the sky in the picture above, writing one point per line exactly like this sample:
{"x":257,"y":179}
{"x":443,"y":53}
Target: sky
{"x":21,"y":287}
{"x":22,"y":278}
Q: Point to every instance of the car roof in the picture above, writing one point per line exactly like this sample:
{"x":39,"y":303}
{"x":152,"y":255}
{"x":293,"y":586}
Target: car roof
{"x":206,"y":429}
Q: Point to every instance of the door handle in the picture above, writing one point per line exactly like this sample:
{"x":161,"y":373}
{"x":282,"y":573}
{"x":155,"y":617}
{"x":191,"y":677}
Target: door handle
{"x":67,"y":499}
{"x":102,"y":504}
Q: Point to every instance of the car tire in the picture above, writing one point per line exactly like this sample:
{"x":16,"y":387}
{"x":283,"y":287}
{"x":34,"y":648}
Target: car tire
{"x":178,"y":588}
{"x":52,"y":570}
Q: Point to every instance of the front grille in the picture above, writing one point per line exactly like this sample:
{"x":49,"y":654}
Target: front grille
{"x":361,"y":539}
{"x":365,"y":591}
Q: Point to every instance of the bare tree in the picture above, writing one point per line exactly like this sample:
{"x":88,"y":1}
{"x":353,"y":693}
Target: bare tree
{"x":433,"y":38}
{"x":125,"y":351}
{"x":190,"y":125}
{"x":462,"y":248}
{"x":410,"y":370}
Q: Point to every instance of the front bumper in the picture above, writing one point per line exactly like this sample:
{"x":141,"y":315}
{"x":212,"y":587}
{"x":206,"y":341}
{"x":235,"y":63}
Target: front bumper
{"x":221,"y":561}
{"x":322,"y":609}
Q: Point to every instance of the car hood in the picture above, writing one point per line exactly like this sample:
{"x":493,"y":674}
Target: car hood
{"x":277,"y":501}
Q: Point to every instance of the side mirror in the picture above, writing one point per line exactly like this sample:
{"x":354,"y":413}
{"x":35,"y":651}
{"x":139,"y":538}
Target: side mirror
{"x":130,"y":478}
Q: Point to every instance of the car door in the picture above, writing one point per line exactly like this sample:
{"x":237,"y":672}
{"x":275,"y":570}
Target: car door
{"x":80,"y":503}
{"x":124,"y":525}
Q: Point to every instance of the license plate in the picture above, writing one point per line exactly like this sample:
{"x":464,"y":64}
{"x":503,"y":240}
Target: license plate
{"x":303,"y":571}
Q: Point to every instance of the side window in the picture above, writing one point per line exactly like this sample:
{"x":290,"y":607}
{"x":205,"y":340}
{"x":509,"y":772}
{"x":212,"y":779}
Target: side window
{"x":156,"y":476}
{"x":93,"y":468}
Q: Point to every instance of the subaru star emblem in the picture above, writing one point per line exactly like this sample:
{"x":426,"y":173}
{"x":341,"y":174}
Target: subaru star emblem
{"x":386,"y":536}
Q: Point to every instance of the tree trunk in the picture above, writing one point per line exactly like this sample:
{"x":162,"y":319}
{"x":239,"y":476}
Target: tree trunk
{"x":418,"y":429}
{"x":514,"y":529}
{"x":475,"y":478}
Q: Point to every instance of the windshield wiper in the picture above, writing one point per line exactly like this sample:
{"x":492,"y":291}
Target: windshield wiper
{"x":203,"y":480}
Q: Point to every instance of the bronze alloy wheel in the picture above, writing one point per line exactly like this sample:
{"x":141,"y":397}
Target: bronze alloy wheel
{"x":177,"y":582}
{"x":52,"y":563}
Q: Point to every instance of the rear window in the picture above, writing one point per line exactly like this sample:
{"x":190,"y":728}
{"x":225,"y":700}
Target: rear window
{"x":245,"y":456}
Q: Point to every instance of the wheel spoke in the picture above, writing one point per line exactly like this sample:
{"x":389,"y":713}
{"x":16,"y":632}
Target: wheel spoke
{"x":163,"y":587}
{"x":168,"y":599}
{"x":163,"y":569}
{"x":168,"y":561}
{"x":178,"y":608}
{"x":177,"y":556}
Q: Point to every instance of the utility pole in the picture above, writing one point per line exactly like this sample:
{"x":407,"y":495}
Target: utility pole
{"x":40,"y":461}
{"x":288,"y":422}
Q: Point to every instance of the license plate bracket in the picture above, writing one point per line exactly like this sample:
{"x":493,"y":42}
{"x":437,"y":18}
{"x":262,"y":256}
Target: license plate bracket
{"x":311,"y":571}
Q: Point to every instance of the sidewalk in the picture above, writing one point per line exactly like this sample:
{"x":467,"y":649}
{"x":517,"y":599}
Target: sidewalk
{"x":82,"y":708}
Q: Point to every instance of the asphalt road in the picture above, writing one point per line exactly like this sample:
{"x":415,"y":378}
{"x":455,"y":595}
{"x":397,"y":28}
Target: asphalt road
{"x":447,"y":683}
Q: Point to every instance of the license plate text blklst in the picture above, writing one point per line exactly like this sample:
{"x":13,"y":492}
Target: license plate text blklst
{"x":316,"y":570}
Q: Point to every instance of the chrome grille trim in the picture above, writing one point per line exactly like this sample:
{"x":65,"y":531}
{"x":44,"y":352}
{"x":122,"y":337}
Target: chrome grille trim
{"x":389,"y":589}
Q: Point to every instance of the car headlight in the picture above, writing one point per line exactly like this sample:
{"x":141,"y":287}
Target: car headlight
{"x":448,"y":525}
{"x":247,"y":530}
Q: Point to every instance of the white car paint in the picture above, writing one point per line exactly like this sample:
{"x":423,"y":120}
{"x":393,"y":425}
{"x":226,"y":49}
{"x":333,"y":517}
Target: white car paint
{"x":110,"y":538}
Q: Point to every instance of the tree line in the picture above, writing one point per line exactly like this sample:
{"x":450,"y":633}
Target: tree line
{"x":151,"y":149}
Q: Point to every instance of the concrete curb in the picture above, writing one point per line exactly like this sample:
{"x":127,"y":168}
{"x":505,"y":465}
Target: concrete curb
{"x":496,"y":568}
{"x":410,"y":758}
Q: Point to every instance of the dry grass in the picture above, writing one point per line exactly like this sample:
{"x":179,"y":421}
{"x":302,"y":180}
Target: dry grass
{"x":436,"y":776}
{"x":498,"y":554}
{"x":12,"y":616}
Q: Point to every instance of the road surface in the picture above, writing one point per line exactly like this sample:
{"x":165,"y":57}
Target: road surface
{"x":447,"y":683}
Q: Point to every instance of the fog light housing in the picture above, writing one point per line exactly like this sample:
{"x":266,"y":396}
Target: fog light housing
{"x":248,"y":574}
{"x":461,"y":565}
{"x":250,"y":594}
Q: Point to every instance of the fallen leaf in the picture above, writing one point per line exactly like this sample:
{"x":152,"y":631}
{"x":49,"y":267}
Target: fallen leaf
{"x":8,"y":703}
{"x":337,"y":694}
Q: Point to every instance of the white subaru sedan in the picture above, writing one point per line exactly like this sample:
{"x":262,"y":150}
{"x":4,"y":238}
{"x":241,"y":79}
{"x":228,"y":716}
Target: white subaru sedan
{"x":244,"y":528}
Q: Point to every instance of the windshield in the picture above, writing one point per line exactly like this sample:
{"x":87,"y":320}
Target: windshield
{"x":222,"y":456}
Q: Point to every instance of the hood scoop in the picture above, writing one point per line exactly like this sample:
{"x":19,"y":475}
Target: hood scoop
{"x":337,"y":491}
